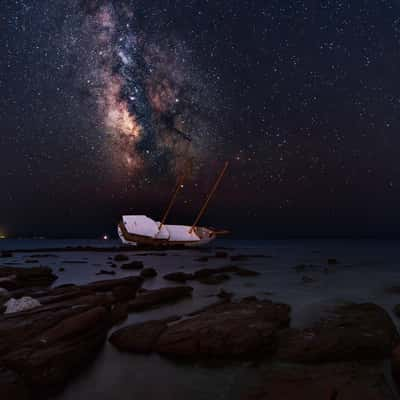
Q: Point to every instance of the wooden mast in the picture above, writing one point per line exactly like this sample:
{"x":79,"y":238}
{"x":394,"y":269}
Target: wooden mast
{"x":178,"y":187}
{"x":210,"y":195}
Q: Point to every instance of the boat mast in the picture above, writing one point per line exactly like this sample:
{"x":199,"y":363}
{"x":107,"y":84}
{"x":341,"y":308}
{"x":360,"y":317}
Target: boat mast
{"x":178,"y":187}
{"x":210,"y":195}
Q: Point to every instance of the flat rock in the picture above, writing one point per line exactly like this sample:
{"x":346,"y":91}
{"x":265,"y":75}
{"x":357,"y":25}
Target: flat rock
{"x":124,"y":292}
{"x":13,"y":278}
{"x":214,"y":279}
{"x":47,"y":361}
{"x":154,"y":298}
{"x":180,"y":277}
{"x":228,"y":330}
{"x":12,"y":386}
{"x":108,"y":285}
{"x":133,"y":265}
{"x":140,"y":338}
{"x":121,"y":257}
{"x":345,"y":381}
{"x":350,"y":332}
{"x":148,"y":273}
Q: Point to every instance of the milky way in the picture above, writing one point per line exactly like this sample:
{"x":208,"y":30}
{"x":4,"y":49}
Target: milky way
{"x":151,"y":99}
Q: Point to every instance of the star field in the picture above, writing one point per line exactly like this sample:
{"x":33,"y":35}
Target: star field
{"x":105,"y":103}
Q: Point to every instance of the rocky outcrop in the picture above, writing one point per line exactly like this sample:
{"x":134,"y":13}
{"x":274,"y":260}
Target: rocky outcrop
{"x":12,"y":386}
{"x":180,"y":277}
{"x":47,"y":360}
{"x":133,"y":265}
{"x":345,"y":381}
{"x":121,"y":257}
{"x":229,"y":330}
{"x":140,"y":338}
{"x":148,"y":273}
{"x":351,"y":332}
{"x":41,"y":348}
{"x":12,"y":278}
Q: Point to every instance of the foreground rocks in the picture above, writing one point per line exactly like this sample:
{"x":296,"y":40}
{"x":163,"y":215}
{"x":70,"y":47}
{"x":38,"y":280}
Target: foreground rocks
{"x":229,"y":330}
{"x":42,"y":348}
{"x":12,"y":278}
{"x":351,"y":332}
{"x":345,"y":381}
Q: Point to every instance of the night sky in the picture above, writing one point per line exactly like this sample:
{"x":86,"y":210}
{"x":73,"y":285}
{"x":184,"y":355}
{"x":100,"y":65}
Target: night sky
{"x":104,"y":104}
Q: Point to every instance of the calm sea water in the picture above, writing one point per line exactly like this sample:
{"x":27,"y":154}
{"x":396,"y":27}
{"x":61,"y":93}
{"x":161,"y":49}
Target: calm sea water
{"x":365,"y":268}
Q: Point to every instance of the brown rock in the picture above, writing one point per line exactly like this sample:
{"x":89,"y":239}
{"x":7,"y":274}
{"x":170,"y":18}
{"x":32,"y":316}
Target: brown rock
{"x":148,"y":273}
{"x":154,"y":298}
{"x":351,"y":332}
{"x":46,"y":362}
{"x":346,"y":381}
{"x":133,"y":265}
{"x":180,"y":277}
{"x":108,"y":285}
{"x":140,"y":338}
{"x":105,"y":272}
{"x":124,"y":293}
{"x":214,"y":279}
{"x":231,"y":330}
{"x":12,"y":386}
{"x":119,"y":312}
{"x":12,"y":278}
{"x":121,"y":257}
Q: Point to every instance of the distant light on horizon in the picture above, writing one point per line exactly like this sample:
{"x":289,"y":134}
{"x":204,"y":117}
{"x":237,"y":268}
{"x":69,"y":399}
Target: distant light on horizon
{"x":105,"y":237}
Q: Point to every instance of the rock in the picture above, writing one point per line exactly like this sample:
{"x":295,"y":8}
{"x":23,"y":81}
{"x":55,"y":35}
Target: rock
{"x":124,"y":293}
{"x":22,"y":304}
{"x":108,"y":285}
{"x":396,"y":309}
{"x":228,"y":330}
{"x":47,"y":361}
{"x":202,"y":259}
{"x":221,"y":254}
{"x":133,"y":265}
{"x":105,"y":272}
{"x":62,"y":269}
{"x":153,"y":298}
{"x":222,"y":294}
{"x":395,"y":361}
{"x":121,"y":257}
{"x":214,"y":279}
{"x":4,"y":294}
{"x":6,"y":254}
{"x":112,"y":265}
{"x":140,"y":338}
{"x":181,"y":277}
{"x":350,"y":332}
{"x":12,"y":278}
{"x":345,"y":381}
{"x":12,"y":386}
{"x":148,"y":273}
{"x":332,"y":261}
{"x":119,"y":312}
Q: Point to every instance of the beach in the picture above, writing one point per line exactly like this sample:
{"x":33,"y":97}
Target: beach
{"x":311,"y":277}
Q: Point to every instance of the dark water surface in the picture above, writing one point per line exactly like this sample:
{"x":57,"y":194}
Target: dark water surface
{"x":365,"y":268}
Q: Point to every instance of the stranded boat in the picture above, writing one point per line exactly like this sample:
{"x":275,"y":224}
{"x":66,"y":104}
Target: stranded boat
{"x":142,"y":230}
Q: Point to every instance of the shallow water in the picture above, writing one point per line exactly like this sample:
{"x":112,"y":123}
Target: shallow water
{"x":365,"y":269}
